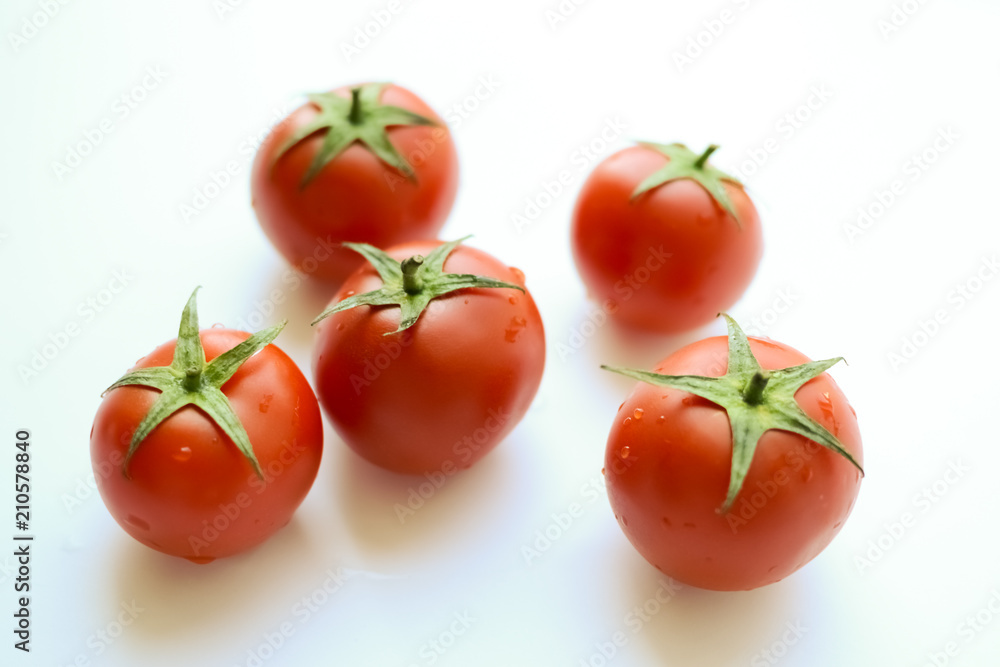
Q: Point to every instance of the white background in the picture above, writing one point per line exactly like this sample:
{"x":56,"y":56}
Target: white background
{"x":887,"y":95}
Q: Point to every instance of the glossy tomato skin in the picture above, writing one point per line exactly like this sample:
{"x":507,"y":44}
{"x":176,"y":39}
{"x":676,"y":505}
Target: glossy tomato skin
{"x":667,"y":470}
{"x":356,"y":197}
{"x":668,"y":261}
{"x":191,"y":493}
{"x":440,"y":395}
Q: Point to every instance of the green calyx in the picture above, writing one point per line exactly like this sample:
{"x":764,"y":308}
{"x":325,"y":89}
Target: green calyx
{"x":684,"y":163}
{"x":189,"y":380}
{"x":362,"y":118}
{"x":756,"y":401}
{"x":411,"y":284}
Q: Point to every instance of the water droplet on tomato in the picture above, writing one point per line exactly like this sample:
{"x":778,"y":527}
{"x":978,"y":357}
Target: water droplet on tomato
{"x":624,"y":520}
{"x":183,"y":454}
{"x":806,"y":474}
{"x":512,"y":300}
{"x":852,"y":410}
{"x":602,"y":471}
{"x":637,"y":413}
{"x":518,"y":274}
{"x":688,"y":400}
{"x":517,"y":324}
{"x":349,"y":293}
{"x":91,"y":431}
{"x":340,"y":326}
{"x":628,"y":420}
{"x":265,"y":402}
{"x":466,"y":302}
{"x":624,"y":452}
{"x":200,"y":560}
{"x":218,"y":325}
{"x":622,"y":405}
{"x":133,"y":520}
{"x":838,"y":525}
{"x":661,"y":419}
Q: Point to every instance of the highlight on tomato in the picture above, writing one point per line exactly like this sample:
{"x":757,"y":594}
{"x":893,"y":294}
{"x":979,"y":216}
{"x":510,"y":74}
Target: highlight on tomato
{"x":208,"y":445}
{"x":734,"y":463}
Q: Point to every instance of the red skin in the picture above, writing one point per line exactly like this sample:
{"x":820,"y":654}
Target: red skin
{"x":174,"y":491}
{"x":356,"y":197}
{"x":462,"y":377}
{"x":678,"y":468}
{"x":712,"y":260}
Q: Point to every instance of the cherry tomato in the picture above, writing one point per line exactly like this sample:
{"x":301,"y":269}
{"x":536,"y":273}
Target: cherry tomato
{"x":440,"y":394}
{"x":671,"y":258}
{"x":187,"y":489}
{"x":668,"y":467}
{"x":397,"y":186}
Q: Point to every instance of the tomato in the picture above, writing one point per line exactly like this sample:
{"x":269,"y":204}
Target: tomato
{"x":439,"y":394}
{"x":324,"y":176}
{"x":673,"y":256}
{"x":670,"y":460}
{"x":188,"y":490}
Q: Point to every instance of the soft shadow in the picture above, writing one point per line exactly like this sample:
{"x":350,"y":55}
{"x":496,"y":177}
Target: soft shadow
{"x":284,"y":293}
{"x":391,"y":515}
{"x":701,"y":627}
{"x":184,"y":598}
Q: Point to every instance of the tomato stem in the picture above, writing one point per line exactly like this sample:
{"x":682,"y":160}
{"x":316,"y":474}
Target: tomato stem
{"x":192,"y":379}
{"x":355,"y":114}
{"x":753,"y":393}
{"x":703,"y":158}
{"x":412,"y":283}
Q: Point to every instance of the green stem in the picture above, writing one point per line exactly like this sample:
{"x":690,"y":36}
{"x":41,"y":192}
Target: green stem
{"x":355,"y":114}
{"x":412,"y":283}
{"x":753,"y":393}
{"x":192,"y":379}
{"x":703,"y":159}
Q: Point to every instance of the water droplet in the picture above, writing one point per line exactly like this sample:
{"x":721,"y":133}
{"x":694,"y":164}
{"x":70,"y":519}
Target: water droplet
{"x":265,"y":402}
{"x":852,"y":410}
{"x":466,"y":301}
{"x":622,"y":405}
{"x":772,"y":569}
{"x":661,"y":419}
{"x":688,"y":400}
{"x":637,"y":413}
{"x":517,"y":324}
{"x":340,"y":326}
{"x":183,"y":454}
{"x":826,"y":406}
{"x":624,"y":520}
{"x":602,"y":471}
{"x":806,"y":474}
{"x":512,"y":300}
{"x":518,"y":274}
{"x":838,"y":525}
{"x":200,"y":560}
{"x":628,"y":420}
{"x":218,"y":325}
{"x":91,"y":431}
{"x":624,"y":452}
{"x":348,"y":293}
{"x":666,"y":522}
{"x":133,"y":520}
{"x":611,"y":305}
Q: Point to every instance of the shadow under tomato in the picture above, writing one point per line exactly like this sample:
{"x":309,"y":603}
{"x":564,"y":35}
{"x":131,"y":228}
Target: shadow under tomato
{"x":696,"y":626}
{"x":399,"y":517}
{"x":181,"y":598}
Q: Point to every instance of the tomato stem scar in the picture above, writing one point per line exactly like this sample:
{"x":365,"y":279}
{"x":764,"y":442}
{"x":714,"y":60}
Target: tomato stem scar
{"x":412,"y":283}
{"x":753,"y":393}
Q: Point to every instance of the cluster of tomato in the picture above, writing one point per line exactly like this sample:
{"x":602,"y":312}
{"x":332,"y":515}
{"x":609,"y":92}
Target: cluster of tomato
{"x":729,"y":466}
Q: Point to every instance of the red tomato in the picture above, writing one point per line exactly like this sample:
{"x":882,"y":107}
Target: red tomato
{"x":357,"y":196}
{"x":667,"y":467}
{"x":439,"y":395}
{"x":668,"y":260}
{"x":190,"y":492}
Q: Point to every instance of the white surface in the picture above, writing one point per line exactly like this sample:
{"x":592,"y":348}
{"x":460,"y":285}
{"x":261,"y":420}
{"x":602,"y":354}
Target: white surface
{"x":226,"y":77}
